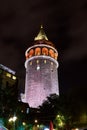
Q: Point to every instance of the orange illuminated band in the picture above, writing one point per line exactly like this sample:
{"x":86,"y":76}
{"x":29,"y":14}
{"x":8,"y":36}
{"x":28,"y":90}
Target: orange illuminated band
{"x":41,"y":45}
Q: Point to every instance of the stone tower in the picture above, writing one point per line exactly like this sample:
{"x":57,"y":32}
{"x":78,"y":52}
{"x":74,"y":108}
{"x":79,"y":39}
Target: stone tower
{"x":41,"y":71}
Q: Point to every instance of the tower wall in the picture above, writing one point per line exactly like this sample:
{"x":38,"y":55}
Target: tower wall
{"x":41,"y":81}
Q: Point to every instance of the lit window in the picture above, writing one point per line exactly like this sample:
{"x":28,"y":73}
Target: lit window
{"x":52,"y":66}
{"x":37,"y":51}
{"x":56,"y":55}
{"x":8,"y":75}
{"x":51,"y":53}
{"x":44,"y":51}
{"x":45,"y":61}
{"x":37,"y":61}
{"x":14,"y":77}
{"x":31,"y":53}
{"x":27,"y":56}
{"x":31,"y":63}
{"x":51,"y":63}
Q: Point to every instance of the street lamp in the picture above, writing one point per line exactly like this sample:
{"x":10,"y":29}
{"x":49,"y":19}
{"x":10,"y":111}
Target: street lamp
{"x":13,"y":119}
{"x":36,"y":121}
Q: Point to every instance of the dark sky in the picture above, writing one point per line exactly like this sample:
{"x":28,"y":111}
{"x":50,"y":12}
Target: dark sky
{"x":65,"y":24}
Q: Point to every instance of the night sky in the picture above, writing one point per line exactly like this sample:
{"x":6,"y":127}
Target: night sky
{"x":65,"y":24}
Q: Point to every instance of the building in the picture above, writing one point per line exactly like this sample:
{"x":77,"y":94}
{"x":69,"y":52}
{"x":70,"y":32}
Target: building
{"x":8,"y":90}
{"x":41,"y":71}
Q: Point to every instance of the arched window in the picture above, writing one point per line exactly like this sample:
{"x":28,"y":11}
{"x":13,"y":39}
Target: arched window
{"x":37,"y":51}
{"x":56,"y":55}
{"x":51,"y":53}
{"x":45,"y":51}
{"x":27,"y":56}
{"x":31,"y":53}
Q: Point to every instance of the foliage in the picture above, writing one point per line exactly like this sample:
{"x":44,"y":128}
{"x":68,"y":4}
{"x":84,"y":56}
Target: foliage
{"x":62,"y":105}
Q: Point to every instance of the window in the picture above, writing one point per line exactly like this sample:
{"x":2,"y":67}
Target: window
{"x":44,"y":51}
{"x":30,"y":62}
{"x":51,"y":53}
{"x":14,"y":77}
{"x":37,"y":61}
{"x":37,"y":51}
{"x":8,"y":75}
{"x":45,"y":61}
{"x":31,"y":53}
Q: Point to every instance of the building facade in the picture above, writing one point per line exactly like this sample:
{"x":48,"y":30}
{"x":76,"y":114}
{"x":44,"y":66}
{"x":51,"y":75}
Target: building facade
{"x":41,"y":71}
{"x":8,"y":90}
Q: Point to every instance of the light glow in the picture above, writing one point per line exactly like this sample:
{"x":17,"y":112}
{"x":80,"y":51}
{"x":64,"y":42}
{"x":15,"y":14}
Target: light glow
{"x":38,"y":67}
{"x":13,"y":119}
{"x":46,"y":128}
{"x":14,"y":77}
{"x":35,"y":121}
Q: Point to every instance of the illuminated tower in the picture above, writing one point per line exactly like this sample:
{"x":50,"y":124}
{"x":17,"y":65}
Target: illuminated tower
{"x":41,"y":71}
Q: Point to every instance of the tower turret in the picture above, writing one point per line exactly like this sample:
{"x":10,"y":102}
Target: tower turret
{"x":41,"y":70}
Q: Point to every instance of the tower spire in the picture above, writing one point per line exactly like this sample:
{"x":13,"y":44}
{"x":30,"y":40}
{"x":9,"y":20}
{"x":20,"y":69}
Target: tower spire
{"x":41,"y":35}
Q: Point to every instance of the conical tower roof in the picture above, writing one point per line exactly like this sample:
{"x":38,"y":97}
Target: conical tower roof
{"x":41,"y":35}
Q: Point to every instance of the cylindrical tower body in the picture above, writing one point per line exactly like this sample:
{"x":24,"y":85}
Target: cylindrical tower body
{"x":41,"y":72}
